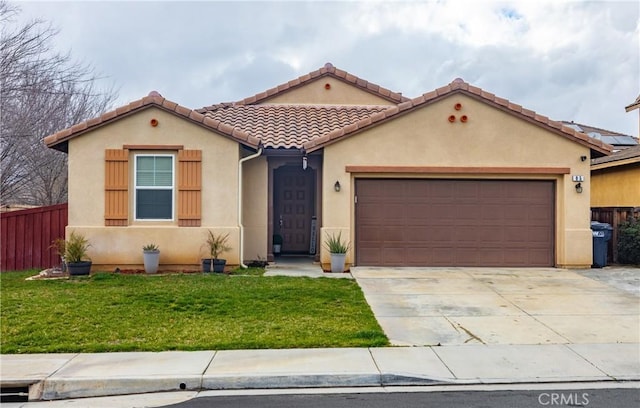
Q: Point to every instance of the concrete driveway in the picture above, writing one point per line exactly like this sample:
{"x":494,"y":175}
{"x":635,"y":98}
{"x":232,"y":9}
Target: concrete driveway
{"x":454,"y":306}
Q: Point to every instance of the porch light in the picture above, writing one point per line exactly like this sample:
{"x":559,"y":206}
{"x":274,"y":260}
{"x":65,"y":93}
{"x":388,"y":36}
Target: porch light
{"x":579,"y":188}
{"x":304,"y":162}
{"x":337,"y":186}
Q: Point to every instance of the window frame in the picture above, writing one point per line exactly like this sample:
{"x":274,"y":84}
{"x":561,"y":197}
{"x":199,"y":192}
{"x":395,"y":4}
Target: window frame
{"x":172,"y":188}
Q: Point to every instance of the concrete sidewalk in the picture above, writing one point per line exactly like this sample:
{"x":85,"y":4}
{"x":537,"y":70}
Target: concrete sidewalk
{"x":65,"y":376}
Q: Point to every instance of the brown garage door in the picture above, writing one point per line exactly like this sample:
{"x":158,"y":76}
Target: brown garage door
{"x":454,"y":222}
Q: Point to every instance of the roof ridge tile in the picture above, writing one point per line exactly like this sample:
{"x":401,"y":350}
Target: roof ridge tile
{"x":59,"y":139}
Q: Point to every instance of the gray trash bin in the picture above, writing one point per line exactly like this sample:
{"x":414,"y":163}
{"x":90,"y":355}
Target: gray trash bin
{"x":601,"y":232}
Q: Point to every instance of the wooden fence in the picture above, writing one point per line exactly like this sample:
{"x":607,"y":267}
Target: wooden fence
{"x":614,"y":216}
{"x":26,"y":236}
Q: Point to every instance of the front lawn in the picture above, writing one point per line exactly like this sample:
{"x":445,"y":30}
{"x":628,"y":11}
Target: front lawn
{"x":113,"y":312}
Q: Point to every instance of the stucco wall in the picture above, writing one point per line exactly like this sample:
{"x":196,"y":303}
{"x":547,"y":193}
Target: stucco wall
{"x":178,"y":245}
{"x":255,"y":209}
{"x":339,"y":93}
{"x":490,"y":138}
{"x":616,"y":186}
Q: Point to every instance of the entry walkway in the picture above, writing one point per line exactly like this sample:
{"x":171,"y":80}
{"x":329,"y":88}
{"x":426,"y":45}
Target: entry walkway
{"x":508,"y":306}
{"x":299,"y":266}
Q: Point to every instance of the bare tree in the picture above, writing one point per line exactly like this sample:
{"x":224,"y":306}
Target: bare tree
{"x":41,"y":92}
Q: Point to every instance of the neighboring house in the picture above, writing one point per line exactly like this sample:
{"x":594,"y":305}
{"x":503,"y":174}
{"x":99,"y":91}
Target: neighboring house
{"x":619,"y":141}
{"x":615,"y":179}
{"x":615,"y":190}
{"x":454,"y":177}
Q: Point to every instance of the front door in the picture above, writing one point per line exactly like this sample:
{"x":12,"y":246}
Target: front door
{"x":293,"y":207}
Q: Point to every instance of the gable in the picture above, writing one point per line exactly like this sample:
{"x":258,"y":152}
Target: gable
{"x":328,"y":91}
{"x":460,"y":88}
{"x":133,"y":135}
{"x":312,"y":88}
{"x":60,"y":139}
{"x":488,"y":138}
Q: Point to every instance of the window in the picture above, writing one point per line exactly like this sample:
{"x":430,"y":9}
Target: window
{"x":154,"y":185}
{"x":168,"y":186}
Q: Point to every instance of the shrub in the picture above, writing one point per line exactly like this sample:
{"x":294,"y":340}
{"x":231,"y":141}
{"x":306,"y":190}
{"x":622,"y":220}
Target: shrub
{"x":629,"y":242}
{"x":76,"y":248}
{"x":335,"y":245}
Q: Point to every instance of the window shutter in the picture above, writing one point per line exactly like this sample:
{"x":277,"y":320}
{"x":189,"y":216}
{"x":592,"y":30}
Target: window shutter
{"x":189,"y":188}
{"x":116,"y":189}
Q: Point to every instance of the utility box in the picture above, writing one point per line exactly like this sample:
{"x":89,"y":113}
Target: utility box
{"x":601,"y":232}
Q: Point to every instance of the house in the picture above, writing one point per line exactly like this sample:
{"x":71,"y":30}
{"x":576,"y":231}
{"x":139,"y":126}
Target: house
{"x":454,"y":177}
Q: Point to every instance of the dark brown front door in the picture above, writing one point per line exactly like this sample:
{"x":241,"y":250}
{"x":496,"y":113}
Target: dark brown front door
{"x":293,"y":207}
{"x":455,"y":222}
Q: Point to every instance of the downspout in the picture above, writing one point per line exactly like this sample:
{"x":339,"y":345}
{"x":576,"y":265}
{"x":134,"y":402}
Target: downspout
{"x":240,"y":202}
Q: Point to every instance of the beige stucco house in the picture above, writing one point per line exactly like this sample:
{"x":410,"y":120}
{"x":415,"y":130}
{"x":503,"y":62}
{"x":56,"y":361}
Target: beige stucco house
{"x":454,"y":177}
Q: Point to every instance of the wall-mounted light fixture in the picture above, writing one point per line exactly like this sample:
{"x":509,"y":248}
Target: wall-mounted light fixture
{"x":583,"y":158}
{"x":337,"y":186}
{"x":304,"y":162}
{"x":579,"y":188}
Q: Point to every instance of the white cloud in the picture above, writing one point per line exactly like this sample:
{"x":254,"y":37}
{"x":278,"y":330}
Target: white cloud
{"x":565,"y":59}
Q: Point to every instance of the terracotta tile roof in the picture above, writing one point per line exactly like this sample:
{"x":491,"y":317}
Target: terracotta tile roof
{"x":626,"y":156}
{"x":59,"y":140}
{"x":290,"y":126}
{"x":458,"y":85}
{"x":327,"y":70}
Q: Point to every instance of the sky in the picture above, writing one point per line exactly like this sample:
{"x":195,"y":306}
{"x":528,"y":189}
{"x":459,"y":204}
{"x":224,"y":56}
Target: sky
{"x":568,"y":60}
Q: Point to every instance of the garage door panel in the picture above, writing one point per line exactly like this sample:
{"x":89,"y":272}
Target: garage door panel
{"x":538,"y":234}
{"x":393,"y":234}
{"x":455,"y":222}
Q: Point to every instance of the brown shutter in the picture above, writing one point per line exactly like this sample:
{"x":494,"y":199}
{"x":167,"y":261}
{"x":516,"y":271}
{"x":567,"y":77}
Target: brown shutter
{"x":116,"y":188}
{"x":189,"y":188}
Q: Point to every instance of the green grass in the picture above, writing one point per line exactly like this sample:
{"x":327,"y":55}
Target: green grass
{"x":110,"y":312}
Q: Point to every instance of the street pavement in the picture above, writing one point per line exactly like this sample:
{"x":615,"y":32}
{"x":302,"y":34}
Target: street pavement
{"x":506,"y":327}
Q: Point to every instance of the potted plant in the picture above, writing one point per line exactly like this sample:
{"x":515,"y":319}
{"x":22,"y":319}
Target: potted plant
{"x":338,"y":250}
{"x":277,"y":244}
{"x":151,"y":255}
{"x":216,"y":245}
{"x":75,"y":254}
{"x":59,"y":245}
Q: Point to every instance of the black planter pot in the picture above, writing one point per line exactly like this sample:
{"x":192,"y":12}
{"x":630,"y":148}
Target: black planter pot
{"x":79,"y":268}
{"x":218,"y":265}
